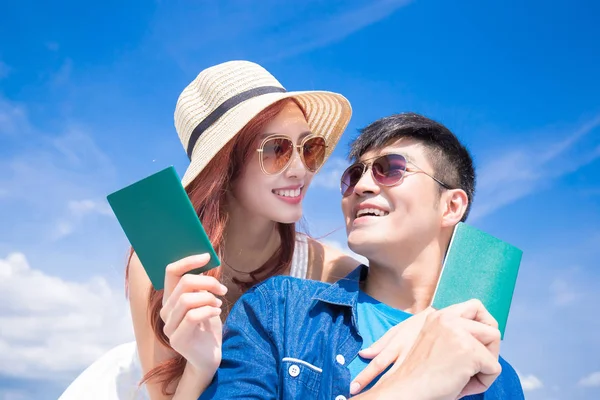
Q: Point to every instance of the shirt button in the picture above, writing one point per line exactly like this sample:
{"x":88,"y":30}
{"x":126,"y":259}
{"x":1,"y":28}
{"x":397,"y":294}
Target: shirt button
{"x":340,"y":397}
{"x":340,"y":359}
{"x":294,"y":370}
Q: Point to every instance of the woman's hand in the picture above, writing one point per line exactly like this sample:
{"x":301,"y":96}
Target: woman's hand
{"x":191,"y":313}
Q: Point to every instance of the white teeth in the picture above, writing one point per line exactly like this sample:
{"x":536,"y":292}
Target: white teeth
{"x":372,"y":211}
{"x":288,"y":193}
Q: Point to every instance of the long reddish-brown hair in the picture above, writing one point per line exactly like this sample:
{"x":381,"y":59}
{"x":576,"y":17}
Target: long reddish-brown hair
{"x":208,"y":194}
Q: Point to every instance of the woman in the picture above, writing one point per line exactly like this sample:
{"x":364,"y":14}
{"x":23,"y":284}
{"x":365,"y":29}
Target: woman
{"x":254,"y":149}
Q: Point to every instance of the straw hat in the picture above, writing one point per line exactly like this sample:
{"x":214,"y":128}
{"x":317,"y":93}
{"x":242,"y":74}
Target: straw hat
{"x":222,"y":99}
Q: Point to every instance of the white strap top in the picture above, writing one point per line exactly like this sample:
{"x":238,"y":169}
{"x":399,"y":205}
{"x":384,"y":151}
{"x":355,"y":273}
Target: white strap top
{"x":299,"y":266}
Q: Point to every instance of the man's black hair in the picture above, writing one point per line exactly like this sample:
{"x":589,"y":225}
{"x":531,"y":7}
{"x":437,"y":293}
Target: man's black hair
{"x":451,"y":161}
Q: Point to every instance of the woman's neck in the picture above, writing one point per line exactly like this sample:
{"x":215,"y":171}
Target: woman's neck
{"x":249,"y":240}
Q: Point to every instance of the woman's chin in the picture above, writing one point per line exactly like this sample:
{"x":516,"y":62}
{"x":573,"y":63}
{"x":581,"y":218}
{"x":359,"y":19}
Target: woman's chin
{"x":288,"y":217}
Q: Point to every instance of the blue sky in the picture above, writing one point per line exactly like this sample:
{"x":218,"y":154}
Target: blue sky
{"x":86,"y":106}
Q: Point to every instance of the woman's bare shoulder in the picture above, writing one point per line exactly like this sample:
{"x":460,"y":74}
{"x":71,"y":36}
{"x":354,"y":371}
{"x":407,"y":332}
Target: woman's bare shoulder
{"x":336,"y":264}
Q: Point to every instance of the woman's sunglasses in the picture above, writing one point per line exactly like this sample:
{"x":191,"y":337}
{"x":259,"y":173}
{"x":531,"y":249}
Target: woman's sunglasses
{"x":276,"y":153}
{"x":387,"y":170}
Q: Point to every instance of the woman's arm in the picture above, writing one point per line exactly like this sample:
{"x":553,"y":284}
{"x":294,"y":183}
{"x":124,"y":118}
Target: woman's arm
{"x":191,"y":313}
{"x":150,"y":350}
{"x":329,"y":264}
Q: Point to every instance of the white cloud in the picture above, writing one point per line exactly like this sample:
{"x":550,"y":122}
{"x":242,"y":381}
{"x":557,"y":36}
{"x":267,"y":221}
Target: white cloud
{"x":52,"y":327}
{"x":592,"y":380}
{"x":512,"y":175}
{"x":530,"y":382}
{"x":329,"y":176}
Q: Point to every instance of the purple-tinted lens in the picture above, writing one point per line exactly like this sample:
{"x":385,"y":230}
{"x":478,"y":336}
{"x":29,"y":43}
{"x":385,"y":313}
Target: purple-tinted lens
{"x":389,"y":169}
{"x":350,"y":178}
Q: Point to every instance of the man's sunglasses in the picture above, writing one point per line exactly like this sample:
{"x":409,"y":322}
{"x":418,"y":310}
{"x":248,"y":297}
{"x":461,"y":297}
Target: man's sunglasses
{"x":387,"y":170}
{"x":276,"y":153}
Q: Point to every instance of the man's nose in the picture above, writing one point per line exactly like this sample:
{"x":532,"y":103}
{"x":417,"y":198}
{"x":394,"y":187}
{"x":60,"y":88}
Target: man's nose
{"x":366,"y":184}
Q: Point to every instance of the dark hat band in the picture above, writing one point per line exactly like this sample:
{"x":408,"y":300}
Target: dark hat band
{"x":223,"y":108}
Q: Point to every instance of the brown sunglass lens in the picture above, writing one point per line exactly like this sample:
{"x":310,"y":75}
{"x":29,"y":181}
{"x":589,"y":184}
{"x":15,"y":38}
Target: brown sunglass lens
{"x":313,"y":152}
{"x":276,"y":154}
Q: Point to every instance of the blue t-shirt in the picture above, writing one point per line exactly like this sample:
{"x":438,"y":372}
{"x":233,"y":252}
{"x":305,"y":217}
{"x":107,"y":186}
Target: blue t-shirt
{"x":374,"y":320}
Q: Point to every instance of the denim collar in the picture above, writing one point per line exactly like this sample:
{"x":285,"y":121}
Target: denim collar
{"x":345,"y":291}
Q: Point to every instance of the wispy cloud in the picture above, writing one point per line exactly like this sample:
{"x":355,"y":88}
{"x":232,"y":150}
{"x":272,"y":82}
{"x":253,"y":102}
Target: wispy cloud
{"x":518,"y":172}
{"x":63,"y":74}
{"x":564,"y":293}
{"x":592,"y":380}
{"x":13,"y":118}
{"x":76,"y":212}
{"x":83,"y":207}
{"x":44,"y":172}
{"x":320,"y":33}
{"x":67,"y":165}
{"x":4,"y":70}
{"x":260,"y":30}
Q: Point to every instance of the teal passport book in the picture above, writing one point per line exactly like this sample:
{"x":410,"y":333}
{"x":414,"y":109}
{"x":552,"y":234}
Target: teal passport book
{"x":479,"y":266}
{"x":161,"y":224}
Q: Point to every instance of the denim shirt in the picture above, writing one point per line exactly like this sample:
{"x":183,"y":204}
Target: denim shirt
{"x":290,"y":338}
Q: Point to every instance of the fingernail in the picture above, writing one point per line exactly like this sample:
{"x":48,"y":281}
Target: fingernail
{"x":354,"y":388}
{"x":219,"y":302}
{"x":364,"y":351}
{"x":223,"y":289}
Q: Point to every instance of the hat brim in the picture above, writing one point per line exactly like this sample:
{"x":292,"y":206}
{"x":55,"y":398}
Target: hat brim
{"x":327,"y":114}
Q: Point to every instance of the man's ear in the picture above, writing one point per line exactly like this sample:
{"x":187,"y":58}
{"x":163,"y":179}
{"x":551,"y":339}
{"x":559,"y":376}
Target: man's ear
{"x":455,"y":202}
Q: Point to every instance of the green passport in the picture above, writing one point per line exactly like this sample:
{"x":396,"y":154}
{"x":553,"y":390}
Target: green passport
{"x":161,"y":224}
{"x":479,"y":266}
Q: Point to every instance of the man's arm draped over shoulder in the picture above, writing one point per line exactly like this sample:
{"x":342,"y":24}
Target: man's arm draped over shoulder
{"x":248,"y":368}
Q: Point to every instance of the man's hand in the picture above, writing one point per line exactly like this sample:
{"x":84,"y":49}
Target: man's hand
{"x":390,"y":349}
{"x":455,"y":355}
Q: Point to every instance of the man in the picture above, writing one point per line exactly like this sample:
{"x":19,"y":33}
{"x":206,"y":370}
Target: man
{"x":411,"y":183}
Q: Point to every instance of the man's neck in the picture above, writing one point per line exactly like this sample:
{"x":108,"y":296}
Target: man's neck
{"x":406,"y":284}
